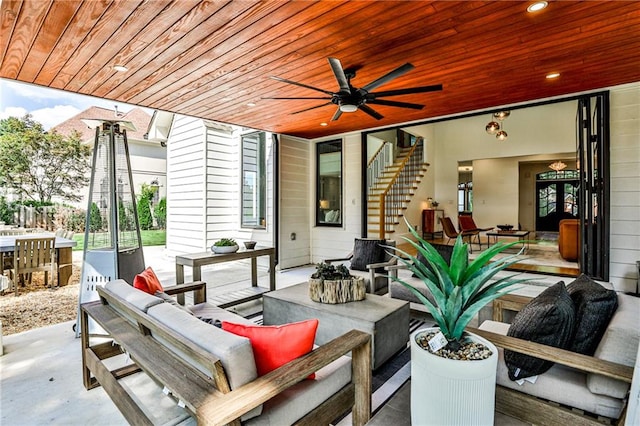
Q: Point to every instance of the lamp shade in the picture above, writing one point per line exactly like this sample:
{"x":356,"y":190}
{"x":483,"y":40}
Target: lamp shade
{"x":501,"y":135}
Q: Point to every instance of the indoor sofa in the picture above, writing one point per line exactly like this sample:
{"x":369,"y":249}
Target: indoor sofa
{"x":209,"y":373}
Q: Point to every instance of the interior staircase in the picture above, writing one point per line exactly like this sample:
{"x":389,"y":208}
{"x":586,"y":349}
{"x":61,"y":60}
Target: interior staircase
{"x":392,"y":187}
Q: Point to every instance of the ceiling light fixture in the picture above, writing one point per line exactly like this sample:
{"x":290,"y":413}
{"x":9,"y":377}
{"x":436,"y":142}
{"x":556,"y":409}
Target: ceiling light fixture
{"x":323,"y":124}
{"x":552,"y":75}
{"x":501,"y":115}
{"x":348,"y":108}
{"x":537,"y":6}
{"x":120,"y":68}
{"x":492,"y":127}
{"x":251,"y":104}
{"x":557,"y":166}
{"x":497,"y":127}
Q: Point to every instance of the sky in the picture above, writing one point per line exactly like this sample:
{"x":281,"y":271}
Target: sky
{"x":48,"y":106}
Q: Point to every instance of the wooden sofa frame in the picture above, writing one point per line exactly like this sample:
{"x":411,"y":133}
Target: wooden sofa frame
{"x":209,"y":399}
{"x":535,"y":410}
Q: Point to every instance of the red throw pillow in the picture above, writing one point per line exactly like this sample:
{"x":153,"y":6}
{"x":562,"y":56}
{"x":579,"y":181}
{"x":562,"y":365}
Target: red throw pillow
{"x":276,"y":345}
{"x":147,"y":281}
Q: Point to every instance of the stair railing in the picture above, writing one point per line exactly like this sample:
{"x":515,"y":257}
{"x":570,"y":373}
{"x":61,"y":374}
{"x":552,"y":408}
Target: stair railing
{"x":380,"y":160}
{"x":394,"y":196}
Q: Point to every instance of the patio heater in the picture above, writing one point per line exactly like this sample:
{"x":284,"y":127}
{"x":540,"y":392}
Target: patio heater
{"x":112,"y":244}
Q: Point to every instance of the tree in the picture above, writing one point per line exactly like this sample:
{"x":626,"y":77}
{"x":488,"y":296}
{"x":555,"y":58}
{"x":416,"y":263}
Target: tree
{"x":39,"y":165}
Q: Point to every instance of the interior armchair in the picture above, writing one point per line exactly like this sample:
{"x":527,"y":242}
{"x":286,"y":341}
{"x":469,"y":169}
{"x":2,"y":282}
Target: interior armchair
{"x":467,"y":224}
{"x":368,"y":260}
{"x":451,"y":232}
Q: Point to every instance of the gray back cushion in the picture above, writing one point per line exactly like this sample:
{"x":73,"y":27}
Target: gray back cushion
{"x":365,"y":252}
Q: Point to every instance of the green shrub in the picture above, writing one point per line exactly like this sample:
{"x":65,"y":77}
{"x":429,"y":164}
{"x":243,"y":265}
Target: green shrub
{"x":144,"y":214}
{"x":95,"y":218}
{"x":160,"y":211}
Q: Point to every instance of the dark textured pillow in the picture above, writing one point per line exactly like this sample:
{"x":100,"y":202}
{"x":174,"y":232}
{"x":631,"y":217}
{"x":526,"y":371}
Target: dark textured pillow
{"x":366,"y":252}
{"x":547,"y":319}
{"x":594,"y":305}
{"x":445,"y":251}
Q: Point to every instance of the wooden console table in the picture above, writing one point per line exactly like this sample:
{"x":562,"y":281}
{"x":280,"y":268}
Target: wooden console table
{"x":197,"y":260}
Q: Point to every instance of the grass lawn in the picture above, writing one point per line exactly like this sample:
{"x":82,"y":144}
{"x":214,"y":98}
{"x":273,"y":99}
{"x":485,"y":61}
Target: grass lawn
{"x":149,"y":238}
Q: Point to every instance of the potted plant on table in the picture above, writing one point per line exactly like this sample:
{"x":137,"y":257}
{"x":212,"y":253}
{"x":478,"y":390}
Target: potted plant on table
{"x":225,"y":245}
{"x":331,"y":284}
{"x":453,"y":372}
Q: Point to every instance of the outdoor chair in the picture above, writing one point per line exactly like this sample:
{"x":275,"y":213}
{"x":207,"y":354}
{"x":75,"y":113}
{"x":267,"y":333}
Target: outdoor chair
{"x":467,"y":224}
{"x":451,"y":232}
{"x":368,"y":260}
{"x":33,"y":255}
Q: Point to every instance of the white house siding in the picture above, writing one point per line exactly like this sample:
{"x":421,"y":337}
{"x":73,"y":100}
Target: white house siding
{"x":203,"y":201}
{"x":223,"y":183}
{"x":186,"y":230}
{"x":295,"y":199}
{"x":625,"y":186}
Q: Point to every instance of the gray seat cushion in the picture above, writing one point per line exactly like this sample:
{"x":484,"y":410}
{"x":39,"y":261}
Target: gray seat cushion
{"x":559,"y":384}
{"x":305,"y":396}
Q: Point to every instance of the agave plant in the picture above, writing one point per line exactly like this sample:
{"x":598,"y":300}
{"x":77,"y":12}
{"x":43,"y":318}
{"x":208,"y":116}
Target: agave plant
{"x":461,"y":288}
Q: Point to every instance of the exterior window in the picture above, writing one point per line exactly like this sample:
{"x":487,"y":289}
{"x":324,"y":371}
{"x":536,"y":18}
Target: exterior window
{"x":254,"y":181}
{"x":329,"y":183}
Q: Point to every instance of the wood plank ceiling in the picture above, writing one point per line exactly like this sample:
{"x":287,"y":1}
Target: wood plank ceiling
{"x":211,"y":59}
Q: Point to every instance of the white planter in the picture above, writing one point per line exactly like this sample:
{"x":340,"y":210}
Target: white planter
{"x":451,"y":392}
{"x":224,"y":249}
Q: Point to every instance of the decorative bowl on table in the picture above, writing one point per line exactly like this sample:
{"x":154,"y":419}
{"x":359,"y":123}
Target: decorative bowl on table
{"x":225,"y":245}
{"x":250,"y":245}
{"x":505,"y":227}
{"x":224,"y":249}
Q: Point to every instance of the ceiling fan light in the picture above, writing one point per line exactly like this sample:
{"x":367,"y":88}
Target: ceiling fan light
{"x":348,"y":108}
{"x":492,"y":127}
{"x":501,"y":135}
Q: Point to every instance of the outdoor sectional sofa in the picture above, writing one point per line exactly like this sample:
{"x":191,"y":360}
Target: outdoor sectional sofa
{"x":208,"y":374}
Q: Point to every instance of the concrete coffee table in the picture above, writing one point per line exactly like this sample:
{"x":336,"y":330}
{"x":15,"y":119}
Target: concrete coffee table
{"x":386,"y":319}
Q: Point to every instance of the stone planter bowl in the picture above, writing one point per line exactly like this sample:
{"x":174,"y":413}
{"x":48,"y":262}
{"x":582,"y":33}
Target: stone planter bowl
{"x":224,"y":249}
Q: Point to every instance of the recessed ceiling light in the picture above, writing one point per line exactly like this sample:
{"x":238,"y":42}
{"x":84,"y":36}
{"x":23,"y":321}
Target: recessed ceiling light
{"x":552,"y":75}
{"x":120,"y":68}
{"x":323,"y":124}
{"x":251,"y":104}
{"x":535,"y":7}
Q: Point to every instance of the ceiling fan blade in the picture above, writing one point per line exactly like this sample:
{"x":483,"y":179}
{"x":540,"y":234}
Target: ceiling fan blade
{"x":336,"y":115}
{"x":313,"y":107}
{"x":299,"y":98}
{"x":336,"y":66}
{"x":395,"y":104}
{"x":408,"y":91}
{"x":284,"y":80}
{"x":370,"y":111}
{"x":389,"y":76}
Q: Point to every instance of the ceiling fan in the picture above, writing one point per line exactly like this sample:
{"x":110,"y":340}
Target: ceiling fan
{"x":350,"y":99}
